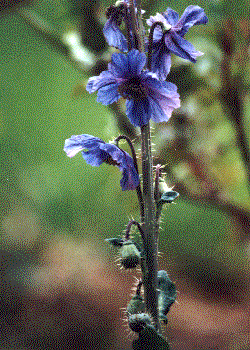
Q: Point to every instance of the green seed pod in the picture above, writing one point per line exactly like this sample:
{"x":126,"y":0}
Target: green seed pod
{"x":130,"y":255}
{"x":138,"y":322}
{"x":135,"y":305}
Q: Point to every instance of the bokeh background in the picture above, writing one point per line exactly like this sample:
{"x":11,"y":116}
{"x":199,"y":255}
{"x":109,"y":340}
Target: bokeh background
{"x":60,"y":287}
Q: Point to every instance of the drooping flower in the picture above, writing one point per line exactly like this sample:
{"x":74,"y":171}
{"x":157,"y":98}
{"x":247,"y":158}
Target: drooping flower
{"x":146,"y":96}
{"x":116,"y":14}
{"x":95,"y":151}
{"x":172,"y":40}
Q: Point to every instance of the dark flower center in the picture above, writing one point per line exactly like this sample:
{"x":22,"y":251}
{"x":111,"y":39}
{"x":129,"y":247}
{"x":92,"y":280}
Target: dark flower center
{"x":116,"y":13}
{"x":133,"y":89}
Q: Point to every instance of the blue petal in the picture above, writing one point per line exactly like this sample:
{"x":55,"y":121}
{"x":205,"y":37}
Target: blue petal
{"x":161,"y":61}
{"x":171,"y":16}
{"x":78,"y":143}
{"x":94,"y":157}
{"x":108,"y":94}
{"x":119,"y":65}
{"x":115,"y":152}
{"x":97,"y":82}
{"x":136,"y":62}
{"x":163,"y":99}
{"x":138,"y":112}
{"x":130,"y":179}
{"x":127,"y":66}
{"x":114,"y":36}
{"x":193,"y":15}
{"x":181,"y":47}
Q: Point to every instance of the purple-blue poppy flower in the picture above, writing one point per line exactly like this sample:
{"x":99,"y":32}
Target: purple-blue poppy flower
{"x":146,"y":96}
{"x":172,"y":39}
{"x":95,"y":151}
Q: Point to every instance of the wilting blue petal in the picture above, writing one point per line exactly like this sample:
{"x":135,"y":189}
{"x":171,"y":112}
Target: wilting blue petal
{"x":172,"y":16}
{"x":181,"y":47}
{"x":161,"y":61}
{"x":94,"y":157}
{"x":193,"y":15}
{"x":95,"y":151}
{"x":173,"y":40}
{"x":78,"y":143}
{"x":114,"y":36}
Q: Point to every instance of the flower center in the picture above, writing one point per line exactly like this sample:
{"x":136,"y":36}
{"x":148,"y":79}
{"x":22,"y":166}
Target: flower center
{"x":133,"y":89}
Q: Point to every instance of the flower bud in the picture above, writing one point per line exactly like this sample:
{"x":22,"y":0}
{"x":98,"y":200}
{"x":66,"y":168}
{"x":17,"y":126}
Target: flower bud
{"x":138,"y":322}
{"x":135,"y":305}
{"x":130,"y":255}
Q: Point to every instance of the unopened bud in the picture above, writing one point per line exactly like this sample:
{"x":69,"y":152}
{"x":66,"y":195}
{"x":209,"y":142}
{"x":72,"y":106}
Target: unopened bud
{"x":130,"y":255}
{"x":138,"y":322}
{"x":135,"y":305}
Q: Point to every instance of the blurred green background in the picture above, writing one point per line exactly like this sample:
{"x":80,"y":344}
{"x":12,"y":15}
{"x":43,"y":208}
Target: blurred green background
{"x":59,"y":286}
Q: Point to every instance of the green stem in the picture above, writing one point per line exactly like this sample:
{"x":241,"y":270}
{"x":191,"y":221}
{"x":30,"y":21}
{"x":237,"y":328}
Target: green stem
{"x":150,"y":229}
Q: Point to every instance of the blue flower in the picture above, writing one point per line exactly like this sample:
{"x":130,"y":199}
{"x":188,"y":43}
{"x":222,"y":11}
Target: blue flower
{"x":146,"y":96}
{"x":172,"y":39}
{"x":95,"y":151}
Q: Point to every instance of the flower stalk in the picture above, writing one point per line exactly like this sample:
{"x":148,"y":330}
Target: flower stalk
{"x":148,"y":96}
{"x":150,"y":229}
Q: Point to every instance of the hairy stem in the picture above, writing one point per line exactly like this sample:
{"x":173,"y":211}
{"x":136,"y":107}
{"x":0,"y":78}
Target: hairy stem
{"x":149,"y":228}
{"x":149,"y":262}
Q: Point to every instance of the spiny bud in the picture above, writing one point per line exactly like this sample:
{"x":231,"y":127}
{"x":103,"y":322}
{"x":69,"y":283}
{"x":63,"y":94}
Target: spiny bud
{"x":138,"y":322}
{"x":135,"y":305}
{"x":130,"y":255}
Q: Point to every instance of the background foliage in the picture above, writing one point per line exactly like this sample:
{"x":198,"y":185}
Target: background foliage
{"x":58,"y":284}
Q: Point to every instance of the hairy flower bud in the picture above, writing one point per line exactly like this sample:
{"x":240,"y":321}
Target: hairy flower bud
{"x":136,"y":305}
{"x":130,"y":255}
{"x":138,"y":322}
